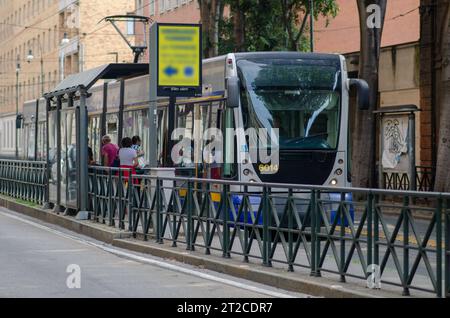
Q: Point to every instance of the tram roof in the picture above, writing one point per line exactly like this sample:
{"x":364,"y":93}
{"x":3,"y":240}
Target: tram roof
{"x":281,"y":55}
{"x":87,"y":79}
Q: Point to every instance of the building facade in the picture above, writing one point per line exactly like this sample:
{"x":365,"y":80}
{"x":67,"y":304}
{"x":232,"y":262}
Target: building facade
{"x":42,"y":41}
{"x":399,"y":72}
{"x":168,"y":11}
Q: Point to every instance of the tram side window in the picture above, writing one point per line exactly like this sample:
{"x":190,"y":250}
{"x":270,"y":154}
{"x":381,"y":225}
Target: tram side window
{"x":185,"y":126}
{"x":112,"y":126}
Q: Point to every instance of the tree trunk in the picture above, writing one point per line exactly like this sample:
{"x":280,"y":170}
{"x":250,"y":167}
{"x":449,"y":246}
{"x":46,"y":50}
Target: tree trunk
{"x":363,"y":157}
{"x":238,"y":27}
{"x":442,"y":56}
{"x":210,"y":11}
{"x":215,"y":31}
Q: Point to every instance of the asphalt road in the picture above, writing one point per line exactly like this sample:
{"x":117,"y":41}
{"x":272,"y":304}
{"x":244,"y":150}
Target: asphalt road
{"x":35,"y":258}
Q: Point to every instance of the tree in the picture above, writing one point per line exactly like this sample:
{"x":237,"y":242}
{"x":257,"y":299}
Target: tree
{"x":371,"y":29}
{"x":441,"y":51}
{"x":211,"y":12}
{"x":266,"y":25}
{"x":295,"y":15}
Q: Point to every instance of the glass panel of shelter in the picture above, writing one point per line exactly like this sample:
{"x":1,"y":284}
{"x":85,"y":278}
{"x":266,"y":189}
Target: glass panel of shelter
{"x":52,"y":127}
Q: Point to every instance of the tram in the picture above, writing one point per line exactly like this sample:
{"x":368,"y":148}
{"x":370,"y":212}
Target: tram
{"x":305,"y":96}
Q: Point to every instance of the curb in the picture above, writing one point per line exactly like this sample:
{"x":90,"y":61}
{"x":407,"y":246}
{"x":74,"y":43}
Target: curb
{"x":320,"y":287}
{"x":300,"y":283}
{"x":67,"y":222}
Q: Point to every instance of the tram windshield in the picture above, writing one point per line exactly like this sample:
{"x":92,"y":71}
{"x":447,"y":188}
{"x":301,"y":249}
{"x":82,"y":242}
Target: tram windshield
{"x":299,"y":97}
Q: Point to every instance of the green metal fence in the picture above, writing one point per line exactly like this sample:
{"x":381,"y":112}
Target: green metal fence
{"x":23,"y":180}
{"x":401,"y":180}
{"x":400,"y":237}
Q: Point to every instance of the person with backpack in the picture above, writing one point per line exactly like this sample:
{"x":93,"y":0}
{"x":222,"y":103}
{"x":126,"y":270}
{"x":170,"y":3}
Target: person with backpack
{"x":110,"y":152}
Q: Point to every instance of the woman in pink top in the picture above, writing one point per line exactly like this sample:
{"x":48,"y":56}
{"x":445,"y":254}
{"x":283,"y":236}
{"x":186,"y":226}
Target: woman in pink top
{"x":110,"y":151}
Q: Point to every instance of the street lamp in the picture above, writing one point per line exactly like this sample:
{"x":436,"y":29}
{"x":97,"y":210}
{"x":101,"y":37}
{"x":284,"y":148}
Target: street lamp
{"x":30,"y":58}
{"x":65,"y":39}
{"x":17,"y":106}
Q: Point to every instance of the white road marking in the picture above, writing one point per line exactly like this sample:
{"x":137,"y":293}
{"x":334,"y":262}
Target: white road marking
{"x":153,"y":262}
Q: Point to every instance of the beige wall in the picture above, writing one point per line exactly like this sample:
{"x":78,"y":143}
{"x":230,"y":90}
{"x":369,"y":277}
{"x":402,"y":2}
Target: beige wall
{"x":40,"y":25}
{"x":42,"y":36}
{"x":167,"y":11}
{"x":399,"y":79}
{"x":98,"y":40}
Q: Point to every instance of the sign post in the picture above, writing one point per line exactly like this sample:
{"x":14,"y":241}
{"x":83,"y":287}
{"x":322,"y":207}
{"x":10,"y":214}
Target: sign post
{"x":175,"y":71}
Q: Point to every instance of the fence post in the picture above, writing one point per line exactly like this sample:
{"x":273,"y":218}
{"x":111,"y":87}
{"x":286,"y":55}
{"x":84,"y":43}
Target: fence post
{"x":447,"y":248}
{"x":405,"y":246}
{"x":376,"y":232}
{"x":209,"y":203}
{"x":94,"y":195}
{"x":226,"y":217}
{"x":369,"y":230}
{"x":290,"y":229}
{"x":131,"y":190}
{"x":121,"y":208}
{"x":438,"y":216}
{"x":312,"y":212}
{"x":189,"y":217}
{"x":110,"y":199}
{"x":175,"y":230}
{"x":342,"y":235}
{"x":158,"y":211}
{"x":266,"y":234}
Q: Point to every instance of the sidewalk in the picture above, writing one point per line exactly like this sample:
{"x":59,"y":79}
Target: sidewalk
{"x":297,"y":281}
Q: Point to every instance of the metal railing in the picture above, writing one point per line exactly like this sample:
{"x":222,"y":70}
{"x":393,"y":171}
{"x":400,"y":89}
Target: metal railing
{"x":23,"y":180}
{"x":391,"y":237}
{"x":401,"y":181}
{"x":346,"y":232}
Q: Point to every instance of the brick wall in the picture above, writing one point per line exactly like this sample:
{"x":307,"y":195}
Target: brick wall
{"x":427,"y":142}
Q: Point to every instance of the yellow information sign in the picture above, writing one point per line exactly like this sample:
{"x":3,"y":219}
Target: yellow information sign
{"x":179,"y":58}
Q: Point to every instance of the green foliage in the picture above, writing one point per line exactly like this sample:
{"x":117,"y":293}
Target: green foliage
{"x":271,"y":25}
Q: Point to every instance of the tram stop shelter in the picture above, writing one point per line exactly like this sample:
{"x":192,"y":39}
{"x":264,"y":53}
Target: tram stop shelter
{"x":67,"y":133}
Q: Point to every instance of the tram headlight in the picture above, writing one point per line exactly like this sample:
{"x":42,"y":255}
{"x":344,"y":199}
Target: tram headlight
{"x":339,"y":172}
{"x":333,"y":182}
{"x":246,"y":172}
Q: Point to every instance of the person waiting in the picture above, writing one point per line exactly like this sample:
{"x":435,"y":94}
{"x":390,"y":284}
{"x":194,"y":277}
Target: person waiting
{"x":136,"y":140}
{"x":128,"y":157}
{"x":109,"y":152}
